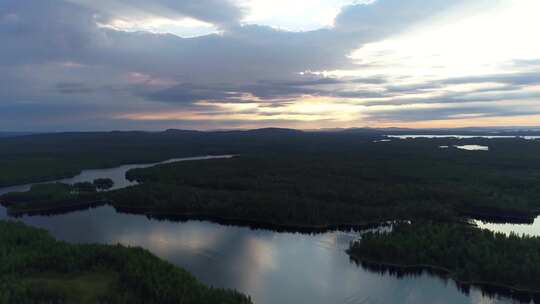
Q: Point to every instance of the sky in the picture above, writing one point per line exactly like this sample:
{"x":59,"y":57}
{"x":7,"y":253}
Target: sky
{"x":81,"y":65}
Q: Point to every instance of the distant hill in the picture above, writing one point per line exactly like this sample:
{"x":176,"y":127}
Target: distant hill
{"x":277,"y":131}
{"x":508,"y":131}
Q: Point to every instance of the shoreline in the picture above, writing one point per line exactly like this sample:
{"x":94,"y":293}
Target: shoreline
{"x":187,"y":216}
{"x":444,"y":272}
{"x":260,"y":224}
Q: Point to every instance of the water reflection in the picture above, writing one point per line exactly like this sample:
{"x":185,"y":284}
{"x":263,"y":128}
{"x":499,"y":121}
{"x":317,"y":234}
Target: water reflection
{"x":271,"y":267}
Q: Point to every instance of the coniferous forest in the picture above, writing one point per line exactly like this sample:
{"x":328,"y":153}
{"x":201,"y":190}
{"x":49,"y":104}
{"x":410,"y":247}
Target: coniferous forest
{"x":282,"y":179}
{"x":466,"y":253}
{"x":36,"y":268}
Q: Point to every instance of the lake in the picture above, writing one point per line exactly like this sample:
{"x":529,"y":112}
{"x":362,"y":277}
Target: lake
{"x":519,"y":229}
{"x":463,"y":136}
{"x":272,"y":267}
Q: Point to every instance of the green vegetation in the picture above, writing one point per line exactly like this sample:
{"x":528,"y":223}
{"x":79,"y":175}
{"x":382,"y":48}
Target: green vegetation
{"x":36,"y":268}
{"x":466,"y":253}
{"x":48,"y":157}
{"x":345,"y":185}
{"x":292,"y":178}
{"x":43,"y":197}
{"x":50,"y":197}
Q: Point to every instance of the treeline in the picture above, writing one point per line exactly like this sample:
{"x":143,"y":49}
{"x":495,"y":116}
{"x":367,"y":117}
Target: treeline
{"x":56,"y":195}
{"x":402,"y":180}
{"x":293,"y":178}
{"x":52,"y":156}
{"x":45,"y":157}
{"x":468,"y":254}
{"x":139,"y":277}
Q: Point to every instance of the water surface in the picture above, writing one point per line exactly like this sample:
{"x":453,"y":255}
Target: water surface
{"x":273,"y":268}
{"x":463,"y":136}
{"x":473,"y":148}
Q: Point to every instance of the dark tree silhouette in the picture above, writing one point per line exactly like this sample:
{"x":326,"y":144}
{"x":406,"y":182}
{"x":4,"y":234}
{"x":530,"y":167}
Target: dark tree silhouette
{"x":103,"y":183}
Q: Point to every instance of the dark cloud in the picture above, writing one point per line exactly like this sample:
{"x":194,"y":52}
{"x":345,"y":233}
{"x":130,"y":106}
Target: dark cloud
{"x":73,"y":88}
{"x":45,"y":31}
{"x":189,"y":93}
{"x":266,"y":90}
{"x":457,"y":97}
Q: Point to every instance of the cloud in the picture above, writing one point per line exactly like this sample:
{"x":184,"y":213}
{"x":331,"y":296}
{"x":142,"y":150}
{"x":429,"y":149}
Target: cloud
{"x":416,"y":115}
{"x":73,"y":88}
{"x":527,"y":78}
{"x":219,"y":12}
{"x":387,"y":17}
{"x":57,"y":53}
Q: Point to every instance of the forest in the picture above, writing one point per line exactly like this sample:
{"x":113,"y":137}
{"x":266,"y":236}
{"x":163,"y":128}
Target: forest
{"x":45,"y":157}
{"x":345,"y":184}
{"x":288,"y":178}
{"x":464,"y":252}
{"x":43,"y":197}
{"x":36,"y":268}
{"x":292,"y":178}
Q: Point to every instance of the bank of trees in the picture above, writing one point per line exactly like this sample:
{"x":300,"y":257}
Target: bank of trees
{"x":140,"y":277}
{"x":42,"y":197}
{"x":103,"y":184}
{"x":395,"y":182}
{"x":327,"y":179}
{"x":468,"y":253}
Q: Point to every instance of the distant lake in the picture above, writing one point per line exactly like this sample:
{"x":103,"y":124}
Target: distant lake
{"x":519,"y":229}
{"x":272,"y":267}
{"x":462,"y":136}
{"x":473,"y":148}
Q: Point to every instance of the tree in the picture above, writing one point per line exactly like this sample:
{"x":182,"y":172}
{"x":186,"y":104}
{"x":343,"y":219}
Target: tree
{"x":103,"y":183}
{"x":85,"y":187}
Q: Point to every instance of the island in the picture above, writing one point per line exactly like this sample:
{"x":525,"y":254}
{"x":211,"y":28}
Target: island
{"x":44,"y":198}
{"x":465,"y":253}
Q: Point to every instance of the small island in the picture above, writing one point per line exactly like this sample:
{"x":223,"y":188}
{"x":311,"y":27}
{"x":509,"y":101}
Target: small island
{"x":36,"y":268}
{"x":43,"y":198}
